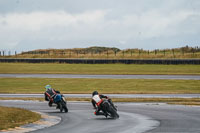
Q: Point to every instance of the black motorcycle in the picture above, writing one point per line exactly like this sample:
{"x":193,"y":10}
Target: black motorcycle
{"x":61,"y":102}
{"x":109,"y":109}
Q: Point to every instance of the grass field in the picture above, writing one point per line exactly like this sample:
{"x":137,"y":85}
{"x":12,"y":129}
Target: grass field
{"x":99,"y":69}
{"x":116,"y":86}
{"x":13,"y":117}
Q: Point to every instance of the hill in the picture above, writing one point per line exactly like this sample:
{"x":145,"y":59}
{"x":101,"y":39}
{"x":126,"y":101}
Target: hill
{"x":111,"y":52}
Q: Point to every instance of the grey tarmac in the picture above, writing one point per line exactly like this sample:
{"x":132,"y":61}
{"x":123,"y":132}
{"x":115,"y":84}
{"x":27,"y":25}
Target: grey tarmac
{"x":182,"y":77}
{"x":110,"y":95}
{"x":134,"y":118}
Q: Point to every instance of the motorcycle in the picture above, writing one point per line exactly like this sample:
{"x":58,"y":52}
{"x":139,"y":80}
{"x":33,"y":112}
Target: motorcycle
{"x":61,"y":102}
{"x":109,"y":109}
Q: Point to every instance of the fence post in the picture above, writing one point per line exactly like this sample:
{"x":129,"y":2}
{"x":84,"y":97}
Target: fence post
{"x":173,"y":52}
{"x":193,"y":51}
{"x":65,"y":53}
{"x":77,"y":53}
{"x":139,"y":52}
{"x":3,"y":53}
{"x":182,"y":51}
{"x":164,"y":52}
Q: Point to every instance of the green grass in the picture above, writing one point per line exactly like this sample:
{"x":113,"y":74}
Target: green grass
{"x":116,"y":86}
{"x":13,"y":117}
{"x":99,"y":68}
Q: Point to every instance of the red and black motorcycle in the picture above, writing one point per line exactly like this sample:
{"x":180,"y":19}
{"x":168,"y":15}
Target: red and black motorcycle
{"x":109,"y":109}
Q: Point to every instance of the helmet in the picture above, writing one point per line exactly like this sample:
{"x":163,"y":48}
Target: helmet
{"x":48,"y":87}
{"x":95,"y":93}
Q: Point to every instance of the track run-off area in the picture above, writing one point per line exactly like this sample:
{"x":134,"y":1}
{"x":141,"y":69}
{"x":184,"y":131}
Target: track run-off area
{"x":134,"y":118}
{"x":182,"y":77}
{"x":110,"y":95}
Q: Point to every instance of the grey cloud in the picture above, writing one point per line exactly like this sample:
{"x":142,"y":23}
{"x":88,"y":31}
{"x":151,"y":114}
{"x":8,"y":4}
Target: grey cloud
{"x":147,"y":24}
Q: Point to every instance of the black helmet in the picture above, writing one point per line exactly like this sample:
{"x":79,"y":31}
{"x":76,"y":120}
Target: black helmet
{"x":95,"y":93}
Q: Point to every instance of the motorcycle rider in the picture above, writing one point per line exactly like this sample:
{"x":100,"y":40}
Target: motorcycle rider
{"x":97,"y":100}
{"x":50,"y":94}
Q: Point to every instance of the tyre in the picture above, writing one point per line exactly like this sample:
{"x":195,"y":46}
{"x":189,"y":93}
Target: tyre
{"x":61,"y":107}
{"x":110,"y":110}
{"x":65,"y":108}
{"x":113,"y":112}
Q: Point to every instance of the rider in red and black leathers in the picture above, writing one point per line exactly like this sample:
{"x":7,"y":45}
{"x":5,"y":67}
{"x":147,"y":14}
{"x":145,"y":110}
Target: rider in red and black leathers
{"x":97,"y":103}
{"x":50,"y":94}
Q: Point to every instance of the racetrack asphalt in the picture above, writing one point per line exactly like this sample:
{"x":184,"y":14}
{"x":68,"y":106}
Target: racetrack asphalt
{"x":185,"y":77}
{"x":134,"y":118}
{"x":109,"y":95}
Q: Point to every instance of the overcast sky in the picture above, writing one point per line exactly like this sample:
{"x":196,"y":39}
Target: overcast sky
{"x":147,"y":24}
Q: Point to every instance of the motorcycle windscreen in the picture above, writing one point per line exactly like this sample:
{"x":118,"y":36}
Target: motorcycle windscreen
{"x":57,"y":98}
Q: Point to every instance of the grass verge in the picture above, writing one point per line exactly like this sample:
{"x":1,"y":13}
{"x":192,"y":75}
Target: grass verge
{"x":114,"y":86}
{"x":50,"y":68}
{"x":14,"y":117}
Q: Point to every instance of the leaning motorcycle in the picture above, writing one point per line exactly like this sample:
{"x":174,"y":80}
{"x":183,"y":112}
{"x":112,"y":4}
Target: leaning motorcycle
{"x":61,"y":102}
{"x":109,"y":109}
